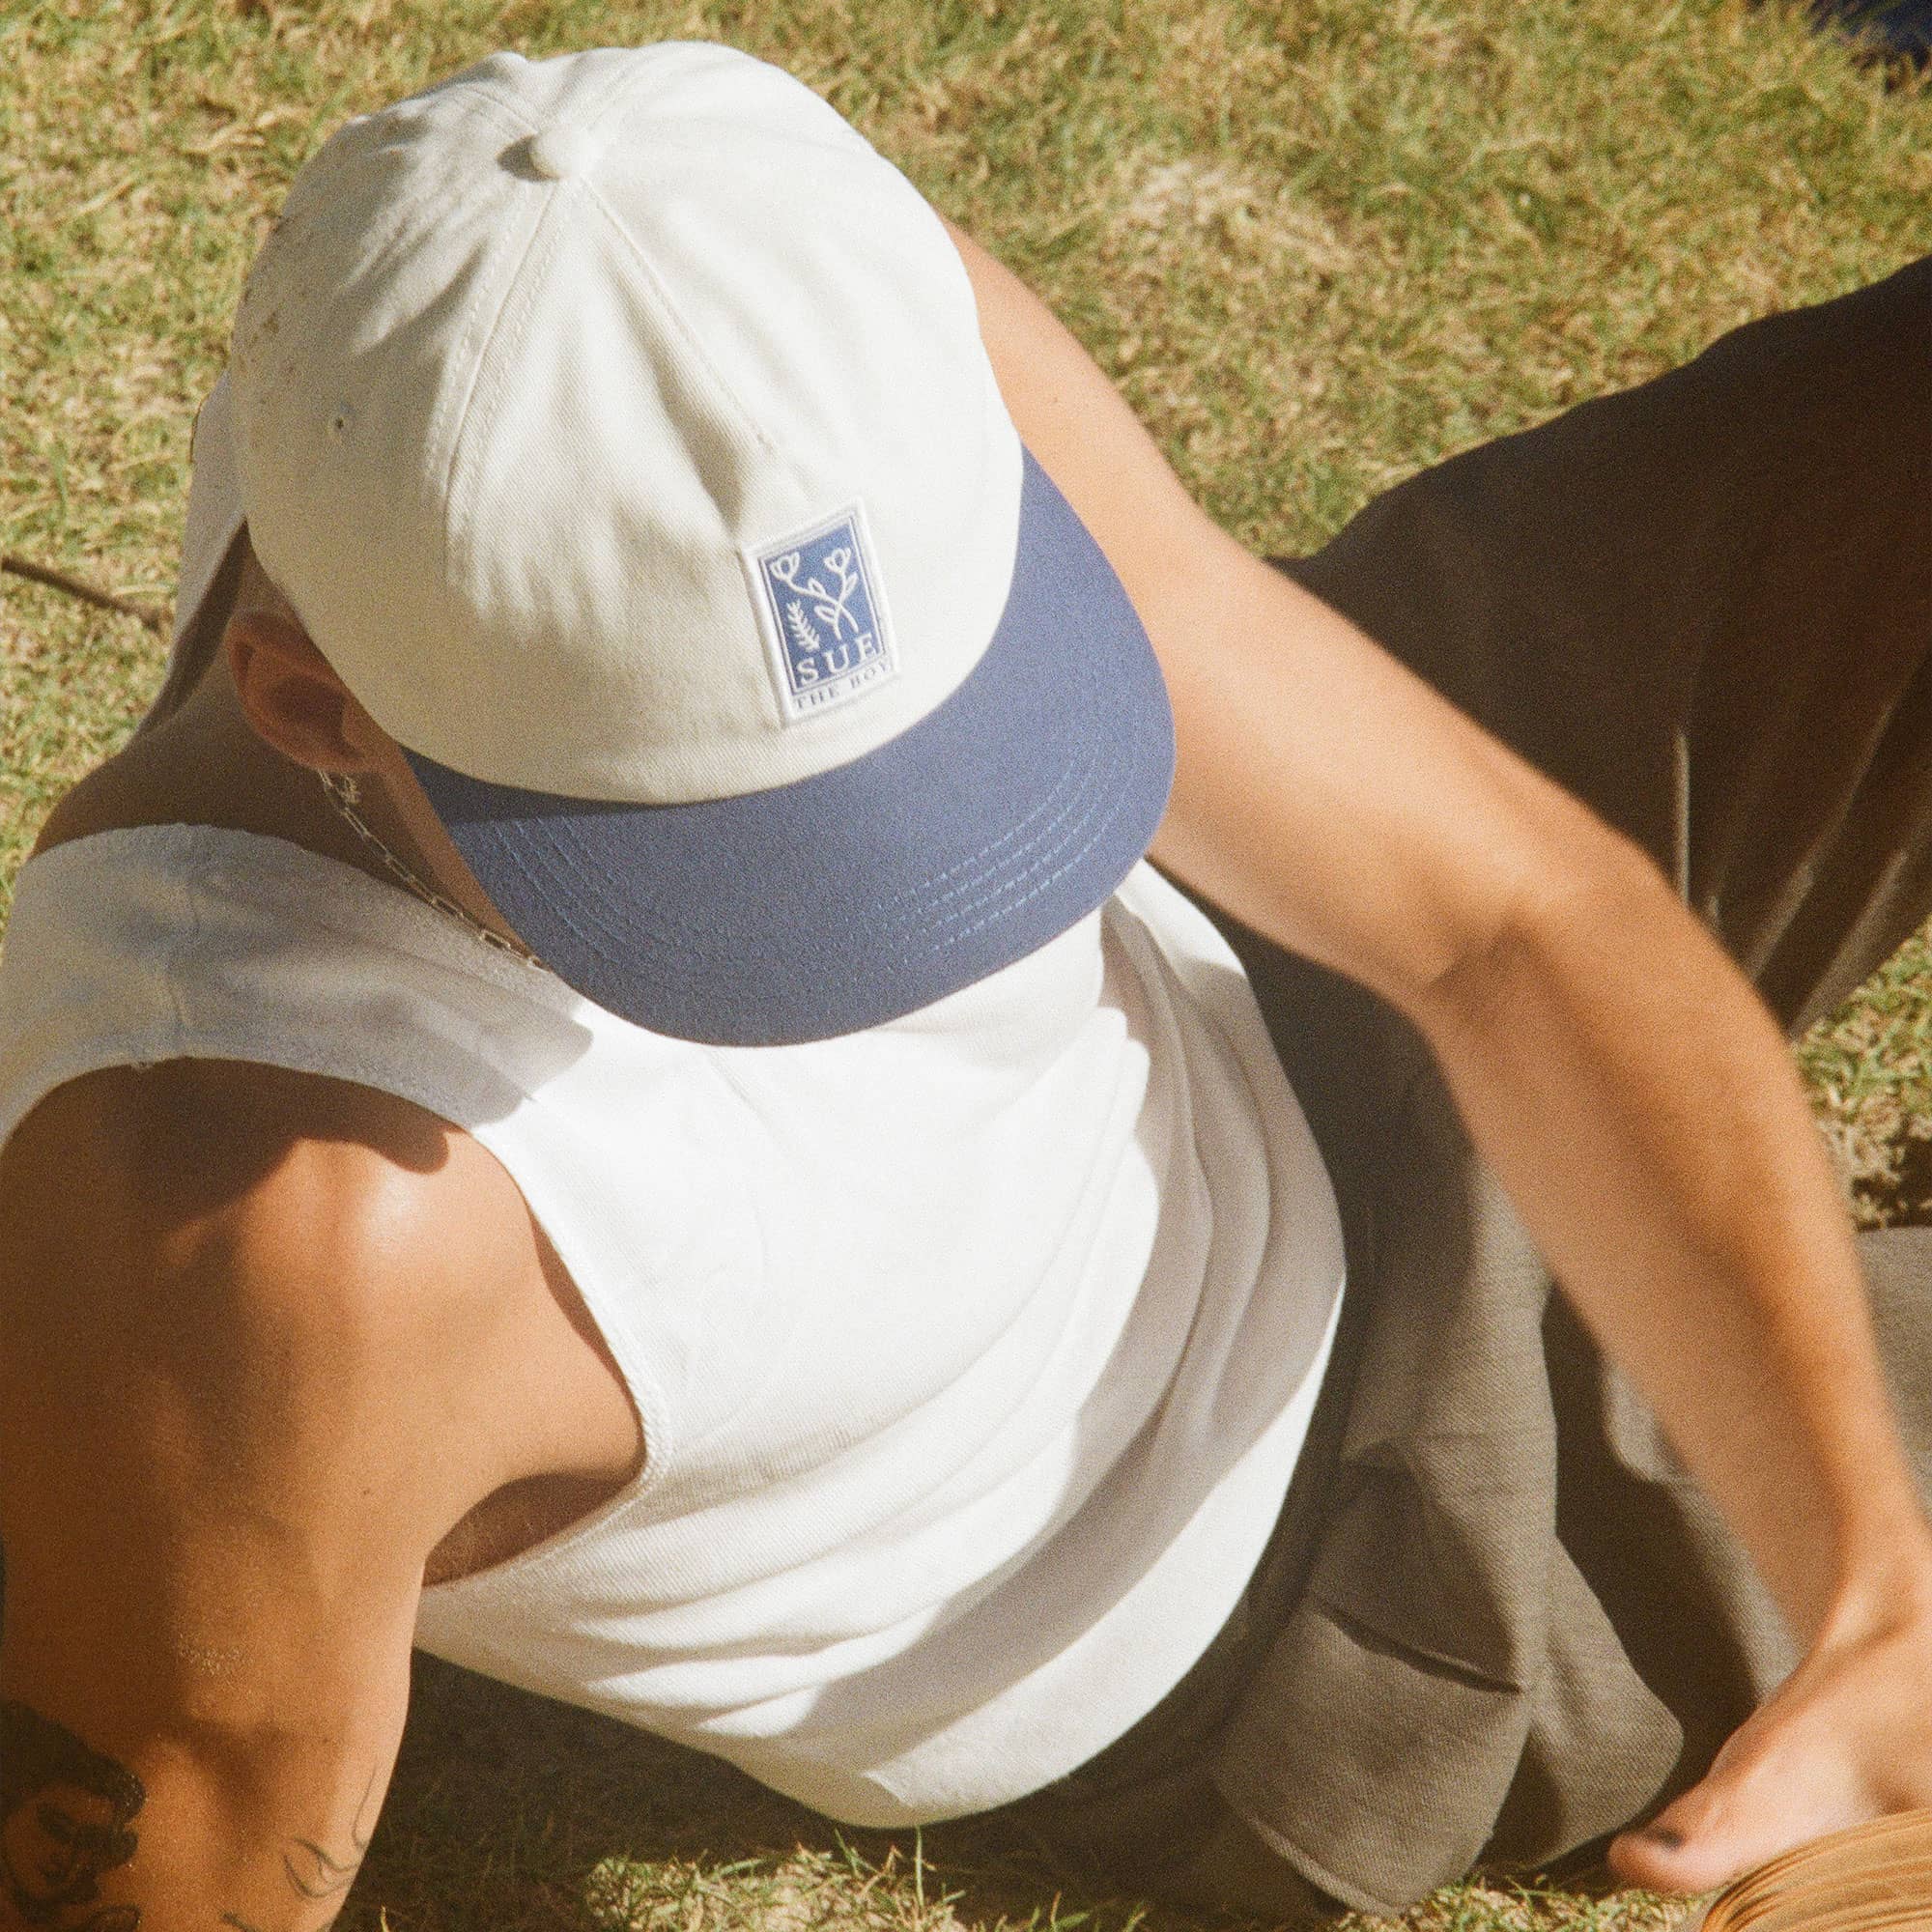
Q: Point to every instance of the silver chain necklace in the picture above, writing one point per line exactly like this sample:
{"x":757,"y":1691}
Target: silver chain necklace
{"x":345,"y":794}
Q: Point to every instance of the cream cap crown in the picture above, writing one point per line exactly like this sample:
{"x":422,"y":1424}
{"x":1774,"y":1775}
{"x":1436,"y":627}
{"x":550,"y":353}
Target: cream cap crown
{"x":547,"y":375}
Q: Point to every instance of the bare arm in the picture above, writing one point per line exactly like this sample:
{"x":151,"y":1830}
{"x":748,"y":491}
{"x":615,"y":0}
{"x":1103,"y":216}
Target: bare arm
{"x":1612,"y":1064}
{"x":219,"y":1491}
{"x":1618,"y":1071}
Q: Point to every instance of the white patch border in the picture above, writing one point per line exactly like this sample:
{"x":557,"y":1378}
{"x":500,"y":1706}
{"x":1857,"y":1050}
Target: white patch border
{"x":795,"y":708}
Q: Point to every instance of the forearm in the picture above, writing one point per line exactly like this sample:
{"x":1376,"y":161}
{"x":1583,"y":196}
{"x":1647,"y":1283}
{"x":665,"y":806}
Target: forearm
{"x":1644,"y":1113}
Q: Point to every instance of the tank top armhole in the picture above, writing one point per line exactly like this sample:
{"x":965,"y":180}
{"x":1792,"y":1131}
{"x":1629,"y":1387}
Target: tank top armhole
{"x":70,"y":920}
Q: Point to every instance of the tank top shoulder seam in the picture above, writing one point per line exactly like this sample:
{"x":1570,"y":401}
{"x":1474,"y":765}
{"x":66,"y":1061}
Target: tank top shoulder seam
{"x":184,"y":937}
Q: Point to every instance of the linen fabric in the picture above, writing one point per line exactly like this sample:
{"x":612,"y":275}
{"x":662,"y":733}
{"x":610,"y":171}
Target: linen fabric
{"x":1499,"y":1621}
{"x":972,"y":1352}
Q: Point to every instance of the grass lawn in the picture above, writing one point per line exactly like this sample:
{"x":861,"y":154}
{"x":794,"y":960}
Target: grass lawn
{"x":1318,"y":243}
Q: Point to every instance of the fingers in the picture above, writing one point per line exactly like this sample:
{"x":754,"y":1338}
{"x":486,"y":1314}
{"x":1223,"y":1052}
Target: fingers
{"x":1705,"y":1840}
{"x":1775,"y":1786}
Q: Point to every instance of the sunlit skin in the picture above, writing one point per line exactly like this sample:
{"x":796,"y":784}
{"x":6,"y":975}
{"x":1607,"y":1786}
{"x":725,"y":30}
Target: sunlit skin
{"x":1582,"y":1019}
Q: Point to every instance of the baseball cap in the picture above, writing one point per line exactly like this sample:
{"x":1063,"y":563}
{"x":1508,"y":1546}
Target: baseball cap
{"x":620,"y":429}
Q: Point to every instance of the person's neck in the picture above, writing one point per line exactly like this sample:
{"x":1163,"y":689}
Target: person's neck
{"x":204,"y":766}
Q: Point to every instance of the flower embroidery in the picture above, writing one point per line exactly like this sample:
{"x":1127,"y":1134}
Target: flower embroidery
{"x":830,"y":643}
{"x":831,"y":607}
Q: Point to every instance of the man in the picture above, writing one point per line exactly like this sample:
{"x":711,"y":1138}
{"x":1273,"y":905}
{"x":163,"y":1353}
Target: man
{"x":599,"y":1087}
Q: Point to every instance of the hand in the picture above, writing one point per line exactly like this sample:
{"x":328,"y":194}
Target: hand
{"x":1846,"y":1738}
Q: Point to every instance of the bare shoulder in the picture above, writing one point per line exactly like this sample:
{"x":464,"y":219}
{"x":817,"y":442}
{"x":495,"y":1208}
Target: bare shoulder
{"x":249,"y":1180}
{"x":281,"y":1252}
{"x":231,"y":1445}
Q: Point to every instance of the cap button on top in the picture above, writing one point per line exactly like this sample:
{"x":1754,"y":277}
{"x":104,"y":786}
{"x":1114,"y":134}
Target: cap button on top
{"x":562,"y":152}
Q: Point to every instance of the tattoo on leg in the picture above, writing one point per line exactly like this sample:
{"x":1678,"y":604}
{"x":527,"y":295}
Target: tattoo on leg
{"x":64,"y":1815}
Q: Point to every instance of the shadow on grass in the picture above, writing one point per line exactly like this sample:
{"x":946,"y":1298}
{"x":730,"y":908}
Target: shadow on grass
{"x":1901,"y":1196}
{"x":510,"y":1812}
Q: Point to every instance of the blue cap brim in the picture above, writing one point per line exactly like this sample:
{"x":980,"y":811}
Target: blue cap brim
{"x":999,"y":820}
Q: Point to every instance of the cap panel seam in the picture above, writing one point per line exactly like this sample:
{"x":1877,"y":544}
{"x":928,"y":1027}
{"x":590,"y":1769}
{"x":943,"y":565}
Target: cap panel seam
{"x":400,"y":228}
{"x":623,"y":78}
{"x":544,"y":239}
{"x":537,"y":247}
{"x":489,"y":105}
{"x":693,"y":345}
{"x":502,"y":114}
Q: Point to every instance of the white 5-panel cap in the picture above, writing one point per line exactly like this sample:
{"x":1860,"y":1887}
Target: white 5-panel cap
{"x":620,"y":429}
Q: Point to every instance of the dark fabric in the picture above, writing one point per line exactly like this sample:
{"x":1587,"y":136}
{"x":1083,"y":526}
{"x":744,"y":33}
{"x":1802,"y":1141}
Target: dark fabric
{"x":1497,"y":1621}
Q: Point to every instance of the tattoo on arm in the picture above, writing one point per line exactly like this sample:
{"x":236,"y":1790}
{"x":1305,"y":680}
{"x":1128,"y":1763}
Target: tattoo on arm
{"x":66,"y":1814}
{"x":314,"y":1872}
{"x":65,"y":1817}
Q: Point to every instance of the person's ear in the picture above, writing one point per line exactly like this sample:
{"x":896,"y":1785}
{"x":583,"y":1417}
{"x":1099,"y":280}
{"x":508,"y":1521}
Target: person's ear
{"x":292,"y":696}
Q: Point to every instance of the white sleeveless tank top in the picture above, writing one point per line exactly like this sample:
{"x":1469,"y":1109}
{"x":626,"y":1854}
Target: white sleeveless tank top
{"x":974,"y":1352}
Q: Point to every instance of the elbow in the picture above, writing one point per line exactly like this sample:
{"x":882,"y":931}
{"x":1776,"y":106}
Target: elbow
{"x":1571,"y":890}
